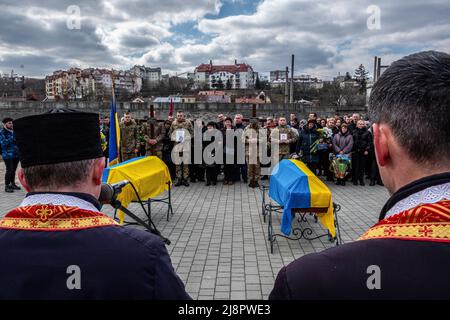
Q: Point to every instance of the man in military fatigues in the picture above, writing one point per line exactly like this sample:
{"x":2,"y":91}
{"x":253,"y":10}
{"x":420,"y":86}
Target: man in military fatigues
{"x":57,"y":244}
{"x":153,"y":134}
{"x":180,"y":131}
{"x":141,"y":140}
{"x":129,"y":142}
{"x":251,"y":138}
{"x":284,"y":136}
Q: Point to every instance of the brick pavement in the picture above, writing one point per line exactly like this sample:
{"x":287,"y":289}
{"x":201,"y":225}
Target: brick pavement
{"x":219,"y":246}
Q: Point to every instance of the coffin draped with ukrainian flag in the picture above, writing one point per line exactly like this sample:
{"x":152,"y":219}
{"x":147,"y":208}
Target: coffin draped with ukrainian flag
{"x":294,"y":186}
{"x":149,"y":175}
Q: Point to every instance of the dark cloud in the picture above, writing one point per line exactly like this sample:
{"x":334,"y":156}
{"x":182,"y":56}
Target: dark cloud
{"x":409,"y":15}
{"x":30,"y":65}
{"x":322,"y":34}
{"x":87,"y":7}
{"x":139,"y":41}
{"x":23,"y":32}
{"x":171,"y":8}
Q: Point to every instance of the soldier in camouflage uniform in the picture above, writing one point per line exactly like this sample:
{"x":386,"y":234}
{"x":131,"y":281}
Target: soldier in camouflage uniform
{"x":129,"y":142}
{"x":141,"y":140}
{"x":251,"y":136}
{"x":181,"y":124}
{"x":153,"y":140}
{"x":284,"y":136}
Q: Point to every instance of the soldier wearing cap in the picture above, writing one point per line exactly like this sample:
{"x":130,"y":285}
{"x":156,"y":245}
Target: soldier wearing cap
{"x":129,"y":142}
{"x":252,"y":138}
{"x":181,"y":131}
{"x":57,"y":242}
{"x":284,"y":136}
{"x":153,"y":134}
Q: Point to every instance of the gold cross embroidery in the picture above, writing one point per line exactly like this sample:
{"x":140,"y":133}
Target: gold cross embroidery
{"x":44,"y":213}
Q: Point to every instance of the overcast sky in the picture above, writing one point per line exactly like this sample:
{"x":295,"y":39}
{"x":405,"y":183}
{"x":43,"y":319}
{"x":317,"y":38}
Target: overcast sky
{"x":327,"y":37}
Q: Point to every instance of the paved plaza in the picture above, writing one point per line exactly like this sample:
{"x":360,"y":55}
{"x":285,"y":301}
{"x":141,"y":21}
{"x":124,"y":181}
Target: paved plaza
{"x":219,"y":238}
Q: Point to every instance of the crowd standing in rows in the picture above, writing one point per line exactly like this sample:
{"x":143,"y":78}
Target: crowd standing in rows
{"x":318,"y":142}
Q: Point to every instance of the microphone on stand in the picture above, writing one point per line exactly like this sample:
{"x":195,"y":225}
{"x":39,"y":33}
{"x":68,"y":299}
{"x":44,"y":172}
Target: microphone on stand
{"x":108,"y":195}
{"x":109,"y":192}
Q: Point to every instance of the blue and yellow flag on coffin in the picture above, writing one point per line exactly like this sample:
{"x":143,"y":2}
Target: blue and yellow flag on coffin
{"x":149,"y":176}
{"x":114,"y":135}
{"x":294,"y":186}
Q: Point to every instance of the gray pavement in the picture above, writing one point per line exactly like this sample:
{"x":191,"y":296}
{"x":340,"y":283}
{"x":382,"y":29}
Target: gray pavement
{"x":219,"y":246}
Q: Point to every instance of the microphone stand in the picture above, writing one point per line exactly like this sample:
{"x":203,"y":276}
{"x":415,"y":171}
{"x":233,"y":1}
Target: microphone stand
{"x":116,"y":204}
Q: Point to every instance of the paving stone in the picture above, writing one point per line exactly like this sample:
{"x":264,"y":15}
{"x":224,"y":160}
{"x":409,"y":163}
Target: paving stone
{"x":237,"y":295}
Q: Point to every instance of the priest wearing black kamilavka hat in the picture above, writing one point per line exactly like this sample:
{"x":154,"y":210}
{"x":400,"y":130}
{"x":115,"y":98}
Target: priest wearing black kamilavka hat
{"x":406,"y":255}
{"x":57,"y":244}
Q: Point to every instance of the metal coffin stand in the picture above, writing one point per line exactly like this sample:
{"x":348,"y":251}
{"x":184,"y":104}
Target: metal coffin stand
{"x":148,"y":203}
{"x":148,"y":224}
{"x":298,"y":233}
{"x":167,"y":200}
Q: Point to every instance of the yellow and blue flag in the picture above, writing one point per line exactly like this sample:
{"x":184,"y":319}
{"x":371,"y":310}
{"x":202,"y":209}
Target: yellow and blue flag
{"x":294,"y":186}
{"x":149,"y":176}
{"x":114,"y":135}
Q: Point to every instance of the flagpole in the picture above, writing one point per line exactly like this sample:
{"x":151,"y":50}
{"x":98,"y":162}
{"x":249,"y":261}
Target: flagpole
{"x":114,"y":129}
{"x":113,"y":93}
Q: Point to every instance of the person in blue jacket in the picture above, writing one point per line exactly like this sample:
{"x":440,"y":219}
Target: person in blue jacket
{"x":10,"y":154}
{"x":57,"y":244}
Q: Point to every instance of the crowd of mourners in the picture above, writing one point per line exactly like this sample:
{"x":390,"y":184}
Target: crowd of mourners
{"x":317,"y":141}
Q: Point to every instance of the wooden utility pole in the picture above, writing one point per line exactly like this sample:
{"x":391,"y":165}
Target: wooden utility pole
{"x":152,"y":121}
{"x":286,"y":86}
{"x":377,"y":68}
{"x":291,"y":95}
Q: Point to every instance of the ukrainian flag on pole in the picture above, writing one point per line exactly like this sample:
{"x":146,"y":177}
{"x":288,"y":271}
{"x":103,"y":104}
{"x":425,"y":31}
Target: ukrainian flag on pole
{"x":114,"y":135}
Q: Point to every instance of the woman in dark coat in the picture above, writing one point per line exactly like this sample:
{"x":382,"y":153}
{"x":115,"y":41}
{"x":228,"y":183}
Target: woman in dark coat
{"x":230,"y":170}
{"x":343,"y":145}
{"x":210,"y":168}
{"x":167,"y":150}
{"x":361,"y":146}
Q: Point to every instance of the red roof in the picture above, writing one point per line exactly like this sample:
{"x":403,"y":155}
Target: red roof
{"x":233,"y":68}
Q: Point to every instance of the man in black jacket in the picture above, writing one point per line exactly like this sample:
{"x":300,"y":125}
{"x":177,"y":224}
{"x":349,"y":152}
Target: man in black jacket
{"x":361,"y":146}
{"x":239,"y":126}
{"x":406,"y":255}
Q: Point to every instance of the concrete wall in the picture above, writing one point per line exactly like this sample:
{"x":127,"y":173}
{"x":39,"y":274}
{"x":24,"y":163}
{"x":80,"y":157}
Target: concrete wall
{"x":207,"y":111}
